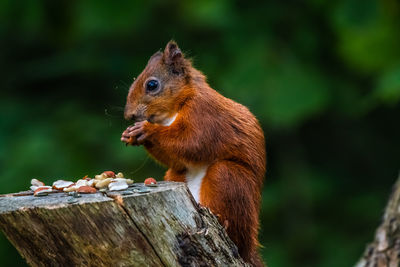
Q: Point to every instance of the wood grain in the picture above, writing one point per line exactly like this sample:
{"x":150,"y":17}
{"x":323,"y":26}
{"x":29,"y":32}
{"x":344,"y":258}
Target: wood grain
{"x":164,"y":227}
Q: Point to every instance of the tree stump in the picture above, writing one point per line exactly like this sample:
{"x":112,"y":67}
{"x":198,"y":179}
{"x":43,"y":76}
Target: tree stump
{"x":384,"y":251}
{"x":163,"y":227}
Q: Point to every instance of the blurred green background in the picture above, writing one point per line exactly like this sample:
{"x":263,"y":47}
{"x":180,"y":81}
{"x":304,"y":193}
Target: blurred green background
{"x":323,"y":77}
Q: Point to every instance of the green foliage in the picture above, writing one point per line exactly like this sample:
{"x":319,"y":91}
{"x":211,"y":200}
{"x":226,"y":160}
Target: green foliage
{"x":323,"y":77}
{"x":388,"y":88}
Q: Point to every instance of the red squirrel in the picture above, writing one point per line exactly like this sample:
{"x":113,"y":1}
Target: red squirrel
{"x":209,"y":141}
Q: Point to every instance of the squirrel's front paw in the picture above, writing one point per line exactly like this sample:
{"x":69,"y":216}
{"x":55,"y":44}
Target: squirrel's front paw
{"x":128,"y":139}
{"x":136,"y":134}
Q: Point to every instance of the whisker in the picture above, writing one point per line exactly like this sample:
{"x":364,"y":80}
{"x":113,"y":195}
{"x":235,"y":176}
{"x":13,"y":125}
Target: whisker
{"x":125,"y":84}
{"x":141,"y":166}
{"x":114,"y":111}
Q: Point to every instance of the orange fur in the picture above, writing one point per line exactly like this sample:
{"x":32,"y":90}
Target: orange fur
{"x":209,"y":129}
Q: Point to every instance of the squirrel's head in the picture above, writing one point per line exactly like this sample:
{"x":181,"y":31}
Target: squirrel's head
{"x":159,"y":90}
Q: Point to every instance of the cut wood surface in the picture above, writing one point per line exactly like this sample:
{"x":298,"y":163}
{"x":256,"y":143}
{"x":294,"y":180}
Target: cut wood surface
{"x":384,"y":251}
{"x":163,"y":227}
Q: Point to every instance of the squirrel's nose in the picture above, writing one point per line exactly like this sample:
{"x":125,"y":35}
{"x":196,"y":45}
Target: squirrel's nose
{"x":130,"y":116}
{"x":134,"y":113}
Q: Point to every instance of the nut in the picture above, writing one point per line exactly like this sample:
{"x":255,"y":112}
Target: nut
{"x":36,"y":182}
{"x":61,"y":184}
{"x":118,"y":184}
{"x":33,"y":187}
{"x":110,"y":174}
{"x":120,"y":180}
{"x":70,"y":188}
{"x":42,"y":191}
{"x":81,"y":182}
{"x":150,"y":182}
{"x":86,"y":189}
{"x":103,"y":183}
{"x":101,"y":176}
{"x":90,"y":182}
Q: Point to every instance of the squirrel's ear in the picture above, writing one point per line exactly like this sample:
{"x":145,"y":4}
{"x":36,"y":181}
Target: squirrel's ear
{"x":173,"y":57}
{"x":172,"y":52}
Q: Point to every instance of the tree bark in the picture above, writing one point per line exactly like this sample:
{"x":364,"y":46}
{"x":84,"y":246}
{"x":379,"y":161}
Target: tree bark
{"x":385,"y":249}
{"x":163,"y":227}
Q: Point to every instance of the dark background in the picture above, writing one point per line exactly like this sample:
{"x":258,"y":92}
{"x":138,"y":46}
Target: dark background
{"x":323,"y":77}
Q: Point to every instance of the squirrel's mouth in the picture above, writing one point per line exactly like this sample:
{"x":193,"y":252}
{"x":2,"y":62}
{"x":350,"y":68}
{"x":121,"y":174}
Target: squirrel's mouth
{"x":151,"y":119}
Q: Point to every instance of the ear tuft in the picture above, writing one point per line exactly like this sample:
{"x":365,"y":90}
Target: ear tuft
{"x":172,"y":52}
{"x":173,"y":57}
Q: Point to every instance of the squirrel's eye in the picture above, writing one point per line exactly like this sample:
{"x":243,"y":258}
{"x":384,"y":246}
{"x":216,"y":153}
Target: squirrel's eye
{"x":152,"y":86}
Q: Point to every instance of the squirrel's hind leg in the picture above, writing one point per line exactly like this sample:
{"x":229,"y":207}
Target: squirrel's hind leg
{"x":230,"y":191}
{"x":175,"y":176}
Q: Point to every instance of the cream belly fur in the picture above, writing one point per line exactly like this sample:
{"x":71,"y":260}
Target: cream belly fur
{"x":194,"y":176}
{"x":169,"y":121}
